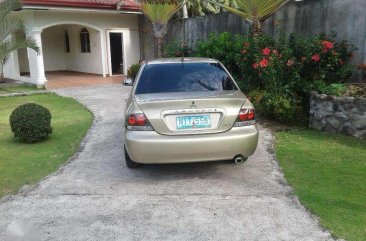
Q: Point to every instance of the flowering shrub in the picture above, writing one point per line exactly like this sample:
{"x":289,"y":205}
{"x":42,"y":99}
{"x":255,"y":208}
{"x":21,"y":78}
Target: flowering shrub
{"x":300,"y":60}
{"x":280,"y":74}
{"x":287,"y":70}
{"x":322,"y":58}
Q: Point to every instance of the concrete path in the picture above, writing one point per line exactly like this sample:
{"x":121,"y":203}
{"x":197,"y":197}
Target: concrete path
{"x":95,"y":197}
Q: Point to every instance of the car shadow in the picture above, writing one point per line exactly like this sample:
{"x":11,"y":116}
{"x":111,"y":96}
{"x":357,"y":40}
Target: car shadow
{"x":182,"y":170}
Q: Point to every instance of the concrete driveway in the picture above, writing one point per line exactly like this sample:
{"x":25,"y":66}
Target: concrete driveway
{"x":95,"y":197}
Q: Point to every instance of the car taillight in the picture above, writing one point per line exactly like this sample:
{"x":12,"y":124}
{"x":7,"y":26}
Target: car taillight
{"x":245,"y":117}
{"x":138,"y":122}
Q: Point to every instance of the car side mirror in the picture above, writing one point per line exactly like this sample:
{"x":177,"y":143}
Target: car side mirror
{"x":128,"y":82}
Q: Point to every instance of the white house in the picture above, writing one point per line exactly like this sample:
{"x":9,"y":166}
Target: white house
{"x":87,"y":36}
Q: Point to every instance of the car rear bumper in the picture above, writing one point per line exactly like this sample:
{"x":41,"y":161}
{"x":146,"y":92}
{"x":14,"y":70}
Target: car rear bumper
{"x":151,"y":147}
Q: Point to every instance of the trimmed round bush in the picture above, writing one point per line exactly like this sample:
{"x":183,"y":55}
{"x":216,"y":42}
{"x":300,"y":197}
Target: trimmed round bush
{"x":30,"y":122}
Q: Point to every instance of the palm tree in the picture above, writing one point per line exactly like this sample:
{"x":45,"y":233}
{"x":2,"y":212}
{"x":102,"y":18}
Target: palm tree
{"x":159,"y":12}
{"x":201,"y":8}
{"x":10,"y":25}
{"x":255,"y":11}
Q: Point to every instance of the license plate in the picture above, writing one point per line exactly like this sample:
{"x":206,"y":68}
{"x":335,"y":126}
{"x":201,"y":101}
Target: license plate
{"x":193,"y":122}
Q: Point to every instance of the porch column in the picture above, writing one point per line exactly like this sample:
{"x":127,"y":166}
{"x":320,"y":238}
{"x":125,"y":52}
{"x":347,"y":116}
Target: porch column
{"x":36,"y":65}
{"x":103,"y":47}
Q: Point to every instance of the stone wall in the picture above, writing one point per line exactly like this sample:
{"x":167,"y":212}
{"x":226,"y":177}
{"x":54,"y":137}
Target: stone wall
{"x":338,"y":114}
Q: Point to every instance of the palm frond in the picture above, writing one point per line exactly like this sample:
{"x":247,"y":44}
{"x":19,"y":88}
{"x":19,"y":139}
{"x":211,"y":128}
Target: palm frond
{"x":160,"y":12}
{"x":242,"y":14}
{"x":8,"y":46}
{"x":254,"y":9}
{"x":10,"y":26}
{"x":6,"y":6}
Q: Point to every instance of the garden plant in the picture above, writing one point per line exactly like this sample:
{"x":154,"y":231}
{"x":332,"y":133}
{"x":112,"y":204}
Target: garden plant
{"x":133,"y":70}
{"x":159,"y":12}
{"x":254,"y":11}
{"x":30,"y":122}
{"x":25,"y":164}
{"x":9,"y":26}
{"x":278,"y":75}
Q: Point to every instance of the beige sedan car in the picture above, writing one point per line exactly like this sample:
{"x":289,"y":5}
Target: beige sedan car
{"x":187,"y":110}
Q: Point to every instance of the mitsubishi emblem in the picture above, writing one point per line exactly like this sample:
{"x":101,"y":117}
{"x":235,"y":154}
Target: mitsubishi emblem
{"x":193,"y":105}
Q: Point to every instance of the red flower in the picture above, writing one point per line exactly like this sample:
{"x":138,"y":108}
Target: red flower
{"x":264,"y":63}
{"x":255,"y":66}
{"x":328,"y":44}
{"x":266,"y":51}
{"x":246,"y":44}
{"x":290,"y":62}
{"x":315,"y":57}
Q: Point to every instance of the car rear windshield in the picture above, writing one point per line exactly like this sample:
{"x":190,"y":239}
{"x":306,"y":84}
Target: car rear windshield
{"x":183,"y":77}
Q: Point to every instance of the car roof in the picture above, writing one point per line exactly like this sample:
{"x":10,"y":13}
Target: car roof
{"x":182,"y":60}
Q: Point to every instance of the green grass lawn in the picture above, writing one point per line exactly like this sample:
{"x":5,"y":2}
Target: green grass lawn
{"x":328,"y":173}
{"x":18,"y":88}
{"x":21,"y":163}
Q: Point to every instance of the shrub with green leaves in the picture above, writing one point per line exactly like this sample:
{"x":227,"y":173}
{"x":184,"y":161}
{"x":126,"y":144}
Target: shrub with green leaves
{"x":332,"y":89}
{"x":224,"y":47}
{"x":178,"y":49}
{"x":282,"y":71}
{"x":30,"y":122}
{"x":278,"y":107}
{"x":133,"y":70}
{"x":295,"y":63}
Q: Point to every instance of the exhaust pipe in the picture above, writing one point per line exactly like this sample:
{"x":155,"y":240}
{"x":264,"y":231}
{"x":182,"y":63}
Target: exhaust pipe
{"x":239,"y":159}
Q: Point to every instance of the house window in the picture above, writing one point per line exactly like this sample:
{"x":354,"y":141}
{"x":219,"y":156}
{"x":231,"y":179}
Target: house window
{"x":85,"y":41}
{"x":67,"y":42}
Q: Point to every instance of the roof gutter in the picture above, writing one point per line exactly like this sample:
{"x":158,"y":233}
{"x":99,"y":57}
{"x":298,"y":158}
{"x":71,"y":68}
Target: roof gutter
{"x":75,"y":9}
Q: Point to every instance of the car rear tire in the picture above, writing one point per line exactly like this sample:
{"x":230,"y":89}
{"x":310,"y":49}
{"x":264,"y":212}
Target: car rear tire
{"x":129,"y":162}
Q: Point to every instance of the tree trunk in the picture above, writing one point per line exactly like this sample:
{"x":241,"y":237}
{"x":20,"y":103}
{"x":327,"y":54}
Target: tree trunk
{"x":159,"y":43}
{"x":257,"y":28}
{"x":2,"y":79}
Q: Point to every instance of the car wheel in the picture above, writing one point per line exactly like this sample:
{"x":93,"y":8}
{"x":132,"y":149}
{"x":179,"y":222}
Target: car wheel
{"x":129,"y":162}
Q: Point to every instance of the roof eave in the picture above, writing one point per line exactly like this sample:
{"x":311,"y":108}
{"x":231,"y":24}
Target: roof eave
{"x":76,"y":5}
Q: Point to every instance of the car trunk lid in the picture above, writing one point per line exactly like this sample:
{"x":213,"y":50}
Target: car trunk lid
{"x":183,"y":113}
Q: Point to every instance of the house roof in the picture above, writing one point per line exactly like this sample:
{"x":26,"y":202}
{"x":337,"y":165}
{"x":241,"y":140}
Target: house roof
{"x":128,"y":5}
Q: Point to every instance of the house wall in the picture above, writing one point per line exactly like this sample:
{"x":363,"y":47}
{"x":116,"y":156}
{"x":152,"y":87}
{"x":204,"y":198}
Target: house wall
{"x":22,"y":54}
{"x":100,"y":23}
{"x":53,"y":46}
{"x":131,"y":42}
{"x":54,"y":22}
{"x":54,"y":50}
{"x":23,"y":61}
{"x":83,"y":62}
